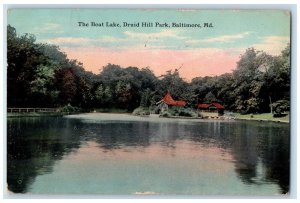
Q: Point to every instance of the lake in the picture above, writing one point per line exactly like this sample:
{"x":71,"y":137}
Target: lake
{"x":118,"y":154}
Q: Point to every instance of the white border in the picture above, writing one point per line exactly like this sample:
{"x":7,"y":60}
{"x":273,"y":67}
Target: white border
{"x":213,"y":4}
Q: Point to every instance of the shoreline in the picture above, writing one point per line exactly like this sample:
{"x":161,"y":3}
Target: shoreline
{"x":262,"y":120}
{"x":31,"y":114}
{"x":263,"y":117}
{"x":233,"y":118}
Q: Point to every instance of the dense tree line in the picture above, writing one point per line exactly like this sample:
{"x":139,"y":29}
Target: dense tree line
{"x":258,"y":81}
{"x":41,"y":75}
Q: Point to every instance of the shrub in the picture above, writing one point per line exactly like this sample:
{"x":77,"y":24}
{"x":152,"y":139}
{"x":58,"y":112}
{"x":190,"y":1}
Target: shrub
{"x":141,"y":111}
{"x":280,"y":107}
{"x":187,"y":113}
{"x":179,"y":111}
{"x":69,"y":109}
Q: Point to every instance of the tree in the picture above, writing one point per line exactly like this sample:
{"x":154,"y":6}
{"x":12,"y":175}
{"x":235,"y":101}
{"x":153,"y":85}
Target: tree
{"x":66,"y":84}
{"x":41,"y":75}
{"x":146,"y":98}
{"x":23,"y":59}
{"x":225,"y":91}
{"x":42,"y":87}
{"x":172,"y":82}
{"x":276,"y":83}
{"x":83,"y":96}
{"x":248,"y":81}
{"x":280,"y":107}
{"x":210,"y":97}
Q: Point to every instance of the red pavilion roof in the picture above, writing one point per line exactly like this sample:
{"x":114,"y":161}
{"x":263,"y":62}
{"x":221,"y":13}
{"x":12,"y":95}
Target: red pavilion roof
{"x":170,"y":101}
{"x":219,"y":106}
{"x":206,"y":106}
{"x":203,"y":106}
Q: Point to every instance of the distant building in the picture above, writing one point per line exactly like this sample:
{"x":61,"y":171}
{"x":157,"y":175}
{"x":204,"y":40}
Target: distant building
{"x":167,"y":101}
{"x":212,"y":107}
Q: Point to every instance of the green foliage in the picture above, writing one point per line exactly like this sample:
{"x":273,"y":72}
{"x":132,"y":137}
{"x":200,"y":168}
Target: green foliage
{"x":280,"y":107}
{"x":248,"y":81}
{"x":99,"y":92}
{"x":126,"y":87}
{"x":40,"y":86}
{"x":23,"y":59}
{"x":180,"y":111}
{"x":172,"y":82}
{"x":210,"y":97}
{"x":41,"y":75}
{"x":69,"y":109}
{"x":141,"y":111}
{"x":146,"y":98}
{"x":258,"y":80}
{"x":187,"y":113}
{"x":66,"y":84}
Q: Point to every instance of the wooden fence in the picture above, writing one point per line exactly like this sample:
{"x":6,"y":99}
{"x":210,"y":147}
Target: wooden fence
{"x":22,"y":110}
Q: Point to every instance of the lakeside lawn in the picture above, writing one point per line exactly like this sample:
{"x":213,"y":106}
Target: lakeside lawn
{"x":263,"y":116}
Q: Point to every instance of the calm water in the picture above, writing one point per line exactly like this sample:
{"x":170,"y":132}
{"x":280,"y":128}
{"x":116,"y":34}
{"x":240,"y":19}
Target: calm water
{"x":121,"y":154}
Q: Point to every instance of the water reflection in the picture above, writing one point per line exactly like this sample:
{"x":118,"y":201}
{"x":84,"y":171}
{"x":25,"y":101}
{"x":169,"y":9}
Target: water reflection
{"x":33,"y":146}
{"x":268,"y":143}
{"x":259,"y":151}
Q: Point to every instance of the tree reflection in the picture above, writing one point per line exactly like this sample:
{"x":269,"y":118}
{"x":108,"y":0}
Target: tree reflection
{"x":250,"y":143}
{"x":114,"y":135}
{"x":244,"y":148}
{"x":33,"y":147}
{"x":276,"y":157}
{"x":268,"y":142}
{"x":35,"y":144}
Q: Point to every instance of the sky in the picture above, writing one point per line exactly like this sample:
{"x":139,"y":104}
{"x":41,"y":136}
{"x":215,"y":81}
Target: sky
{"x":205,"y":51}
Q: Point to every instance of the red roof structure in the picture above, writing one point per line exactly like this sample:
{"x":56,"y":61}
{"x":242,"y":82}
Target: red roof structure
{"x":214,"y":104}
{"x":170,"y":101}
{"x":217,"y":105}
{"x":203,"y":106}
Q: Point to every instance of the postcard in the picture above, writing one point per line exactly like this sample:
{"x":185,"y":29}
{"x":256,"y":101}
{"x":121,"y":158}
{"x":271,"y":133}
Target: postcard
{"x":148,"y":102}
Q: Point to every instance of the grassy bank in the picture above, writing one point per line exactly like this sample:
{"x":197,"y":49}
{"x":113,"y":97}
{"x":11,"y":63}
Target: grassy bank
{"x":262,"y":117}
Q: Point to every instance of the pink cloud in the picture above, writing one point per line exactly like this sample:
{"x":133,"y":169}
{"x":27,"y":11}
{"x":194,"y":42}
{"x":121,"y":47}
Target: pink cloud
{"x":196,"y":62}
